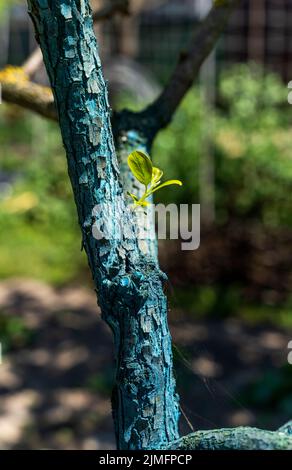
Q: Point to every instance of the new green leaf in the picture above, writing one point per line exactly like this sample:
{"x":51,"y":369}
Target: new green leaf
{"x":141,"y":166}
{"x":143,"y":170}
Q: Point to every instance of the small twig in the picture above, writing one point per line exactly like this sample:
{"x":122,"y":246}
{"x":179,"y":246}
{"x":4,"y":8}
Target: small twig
{"x":17,"y":89}
{"x":187,"y":419}
{"x":33,"y":63}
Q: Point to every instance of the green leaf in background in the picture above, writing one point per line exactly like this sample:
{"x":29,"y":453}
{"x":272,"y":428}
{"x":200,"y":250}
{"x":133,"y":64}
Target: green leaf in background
{"x":141,"y":166}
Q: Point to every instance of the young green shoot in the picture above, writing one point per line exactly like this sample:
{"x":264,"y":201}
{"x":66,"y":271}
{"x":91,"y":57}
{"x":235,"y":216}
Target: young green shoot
{"x":148,"y":175}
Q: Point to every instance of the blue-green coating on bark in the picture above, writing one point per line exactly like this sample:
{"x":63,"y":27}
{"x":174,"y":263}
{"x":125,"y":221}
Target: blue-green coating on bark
{"x":287,"y":428}
{"x":127,"y":142}
{"x":241,"y":438}
{"x":129,"y":283}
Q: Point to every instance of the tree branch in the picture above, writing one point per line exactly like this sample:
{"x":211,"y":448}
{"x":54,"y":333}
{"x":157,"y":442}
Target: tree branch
{"x":17,"y":89}
{"x":241,"y":438}
{"x":33,"y":62}
{"x":129,"y":284}
{"x":160,"y":112}
{"x":287,"y":428}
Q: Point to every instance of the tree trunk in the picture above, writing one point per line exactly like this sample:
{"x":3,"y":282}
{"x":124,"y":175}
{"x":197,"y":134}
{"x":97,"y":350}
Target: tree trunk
{"x":129,"y":283}
{"x":127,"y":142}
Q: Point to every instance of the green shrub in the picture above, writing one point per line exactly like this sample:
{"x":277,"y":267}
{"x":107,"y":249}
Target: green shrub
{"x":253,"y":172}
{"x":14,"y":333}
{"x":250,"y":144}
{"x":39,"y":231}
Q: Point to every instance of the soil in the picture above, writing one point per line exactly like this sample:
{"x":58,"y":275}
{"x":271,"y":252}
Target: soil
{"x":55,"y":385}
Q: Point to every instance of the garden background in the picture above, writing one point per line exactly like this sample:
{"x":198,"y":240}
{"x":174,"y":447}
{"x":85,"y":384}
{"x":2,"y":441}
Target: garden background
{"x":230,"y":300}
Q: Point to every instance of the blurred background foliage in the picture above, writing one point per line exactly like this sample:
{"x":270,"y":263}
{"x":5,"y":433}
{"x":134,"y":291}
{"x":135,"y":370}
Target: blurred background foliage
{"x":253,"y":164}
{"x":6,"y":4}
{"x":39,"y":232}
{"x":253,"y":176}
{"x":236,"y":289}
{"x":250,"y":143}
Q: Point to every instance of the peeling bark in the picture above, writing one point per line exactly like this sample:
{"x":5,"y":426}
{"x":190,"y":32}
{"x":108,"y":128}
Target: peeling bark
{"x":126,"y":143}
{"x":128,"y":281}
{"x":130,"y":285}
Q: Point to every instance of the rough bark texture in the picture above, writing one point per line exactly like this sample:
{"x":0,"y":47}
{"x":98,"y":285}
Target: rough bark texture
{"x":287,"y":428}
{"x":126,"y":143}
{"x":156,"y":116}
{"x":128,"y":280}
{"x":241,"y":438}
{"x":129,"y":284}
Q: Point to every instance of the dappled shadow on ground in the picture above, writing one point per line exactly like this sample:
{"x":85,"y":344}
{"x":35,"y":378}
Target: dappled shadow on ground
{"x":56,"y":374}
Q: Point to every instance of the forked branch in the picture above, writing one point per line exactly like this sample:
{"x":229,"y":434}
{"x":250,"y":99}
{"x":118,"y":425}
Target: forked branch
{"x":160,"y":112}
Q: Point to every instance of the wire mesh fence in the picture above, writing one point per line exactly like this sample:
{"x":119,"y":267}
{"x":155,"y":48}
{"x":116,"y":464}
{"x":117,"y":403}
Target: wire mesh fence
{"x":157,"y":31}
